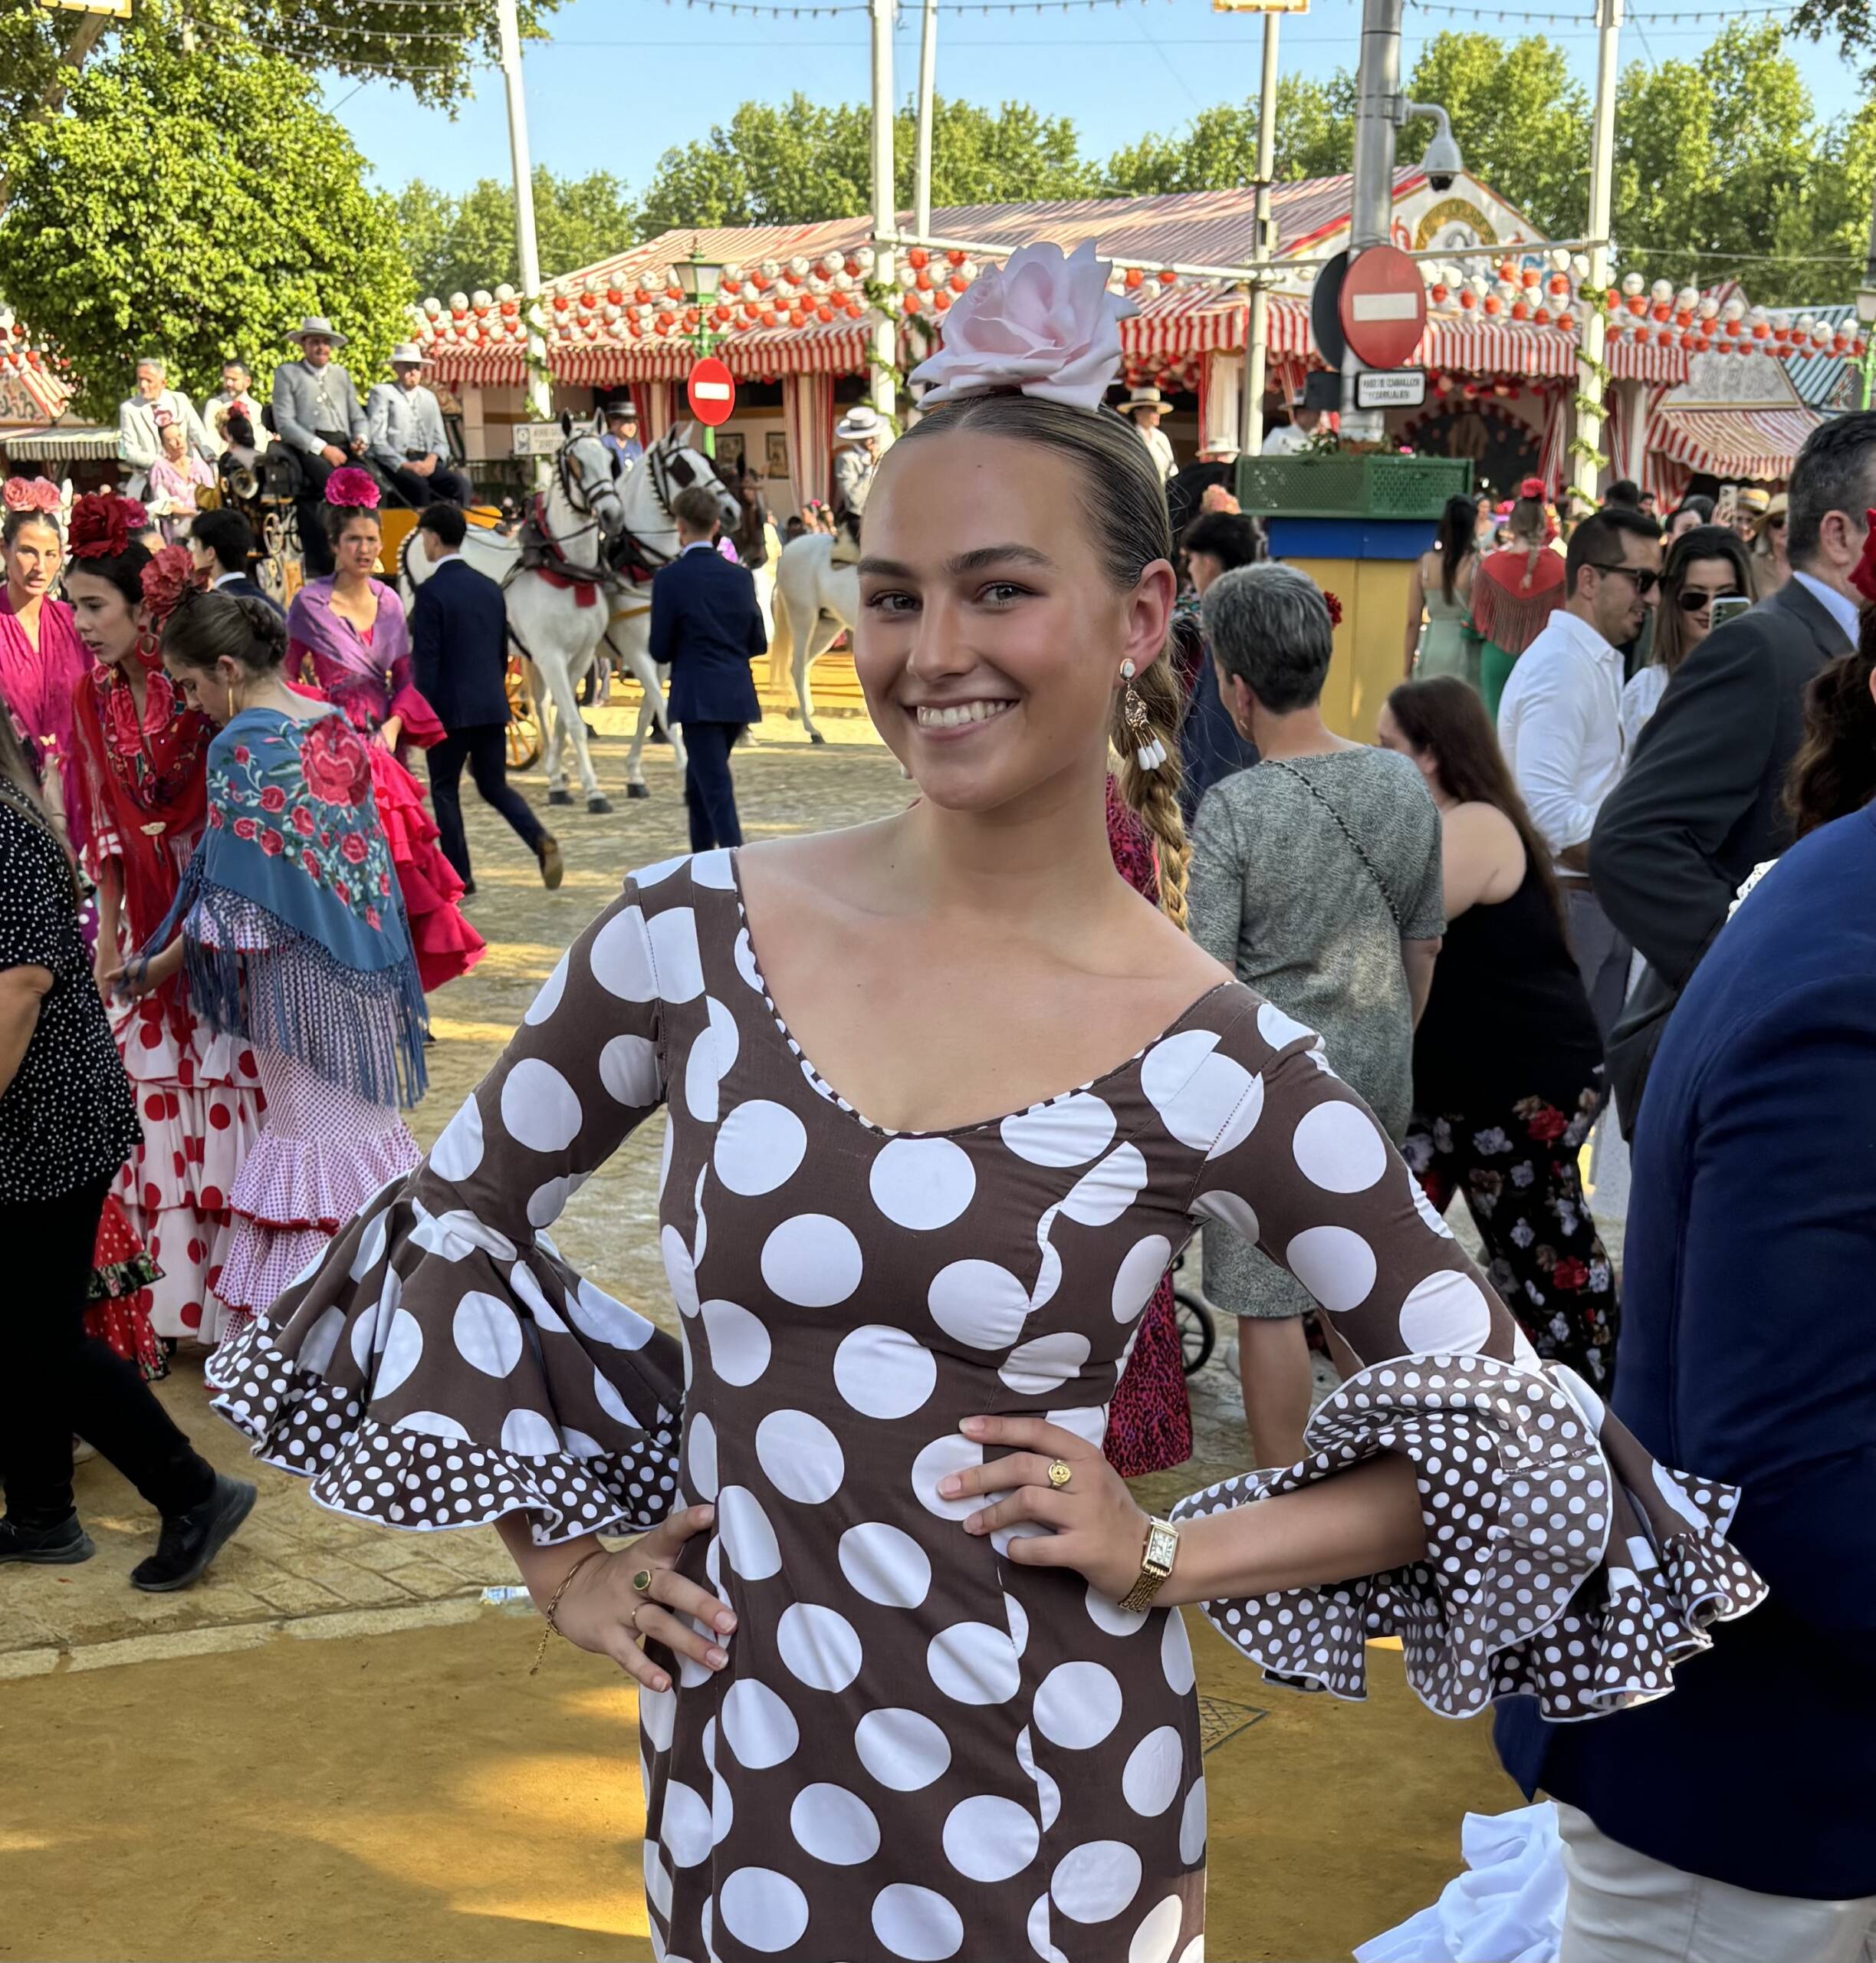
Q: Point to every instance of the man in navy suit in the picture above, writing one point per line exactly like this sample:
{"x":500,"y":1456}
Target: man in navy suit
{"x":221,"y":543}
{"x":459,"y":655}
{"x":705,"y":622}
{"x":1735,"y":1821}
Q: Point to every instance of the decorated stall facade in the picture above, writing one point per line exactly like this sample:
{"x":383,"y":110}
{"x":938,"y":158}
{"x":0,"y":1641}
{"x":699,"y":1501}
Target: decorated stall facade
{"x":789,"y":309}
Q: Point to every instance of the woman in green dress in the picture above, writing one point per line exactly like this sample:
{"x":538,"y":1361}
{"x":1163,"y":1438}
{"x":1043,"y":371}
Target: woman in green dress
{"x":1440,"y":587}
{"x":1515,"y":591}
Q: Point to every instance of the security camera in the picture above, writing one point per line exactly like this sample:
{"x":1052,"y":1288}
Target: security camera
{"x":1442,"y":162}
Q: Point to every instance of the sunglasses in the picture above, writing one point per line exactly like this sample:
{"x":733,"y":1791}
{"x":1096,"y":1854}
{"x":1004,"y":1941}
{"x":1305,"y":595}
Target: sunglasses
{"x":1645,"y":581}
{"x":1694,"y":598}
{"x":1778,"y":523}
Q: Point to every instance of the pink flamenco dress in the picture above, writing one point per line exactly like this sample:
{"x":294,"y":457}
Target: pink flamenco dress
{"x":198,"y":1091}
{"x":367,"y":675}
{"x":294,"y":946}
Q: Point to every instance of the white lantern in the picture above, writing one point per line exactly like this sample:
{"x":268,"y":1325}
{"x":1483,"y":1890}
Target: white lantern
{"x":1686,"y":300}
{"x":1709,"y":307}
{"x":505,"y":293}
{"x":483,"y":300}
{"x":866,"y":259}
{"x":432,"y":306}
{"x":1632,"y":284}
{"x":1733,"y":311}
{"x":459,"y":303}
{"x":1661,"y":292}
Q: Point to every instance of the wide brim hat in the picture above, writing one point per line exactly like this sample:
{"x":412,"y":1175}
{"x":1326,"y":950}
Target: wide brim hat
{"x":862,"y":420}
{"x":1142,"y":399}
{"x":1218,"y":453}
{"x":407,"y":354}
{"x":1755,"y":500}
{"x":315,"y":323}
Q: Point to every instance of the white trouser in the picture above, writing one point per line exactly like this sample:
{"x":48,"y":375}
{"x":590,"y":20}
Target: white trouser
{"x":1625,"y":1907}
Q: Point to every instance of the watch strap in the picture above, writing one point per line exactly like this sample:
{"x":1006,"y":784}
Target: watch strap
{"x":1162,"y":1544}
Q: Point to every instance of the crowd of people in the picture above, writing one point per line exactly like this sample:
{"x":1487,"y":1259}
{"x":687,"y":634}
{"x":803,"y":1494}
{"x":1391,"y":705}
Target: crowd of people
{"x":1350,"y":981}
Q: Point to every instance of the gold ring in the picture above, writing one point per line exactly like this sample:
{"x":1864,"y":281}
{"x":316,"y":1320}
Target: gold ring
{"x":1060,"y":1472}
{"x":642,"y":1581}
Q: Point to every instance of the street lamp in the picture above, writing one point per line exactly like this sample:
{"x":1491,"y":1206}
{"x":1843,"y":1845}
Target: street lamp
{"x":1866,"y":319}
{"x":700,"y":279}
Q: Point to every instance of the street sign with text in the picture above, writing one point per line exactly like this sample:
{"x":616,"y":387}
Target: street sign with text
{"x":1391,"y":388}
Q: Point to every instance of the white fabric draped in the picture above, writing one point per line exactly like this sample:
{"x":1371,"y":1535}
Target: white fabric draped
{"x":808,"y":409}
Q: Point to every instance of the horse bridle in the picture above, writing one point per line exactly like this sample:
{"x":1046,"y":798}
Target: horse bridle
{"x":574,"y":489}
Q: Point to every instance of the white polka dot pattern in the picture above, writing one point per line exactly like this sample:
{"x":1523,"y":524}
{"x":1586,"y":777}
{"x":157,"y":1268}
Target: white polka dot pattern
{"x":922,"y":1747}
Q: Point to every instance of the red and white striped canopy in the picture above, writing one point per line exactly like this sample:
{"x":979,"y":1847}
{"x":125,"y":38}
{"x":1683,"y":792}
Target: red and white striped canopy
{"x":1732,"y":442}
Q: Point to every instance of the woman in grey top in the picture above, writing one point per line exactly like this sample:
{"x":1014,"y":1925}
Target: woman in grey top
{"x":1316,"y":877}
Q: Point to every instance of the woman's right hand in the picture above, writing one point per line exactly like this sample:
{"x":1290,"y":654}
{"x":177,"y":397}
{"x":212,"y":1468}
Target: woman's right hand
{"x":602,"y":1612}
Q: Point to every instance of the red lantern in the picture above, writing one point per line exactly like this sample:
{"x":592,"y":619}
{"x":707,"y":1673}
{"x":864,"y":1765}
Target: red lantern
{"x":1167,"y":276}
{"x":1468,"y":300}
{"x":957,"y":255}
{"x":760,"y":281}
{"x":1859,"y":347}
{"x":917,"y":257}
{"x":1641,"y":336}
{"x":823,"y":312}
{"x":559,"y":303}
{"x":911,"y":303}
{"x":940,"y":299}
{"x":1559,"y":284}
{"x":1436,"y":293}
{"x":751,"y":311}
{"x":923,"y":282}
{"x":1133,"y":278}
{"x":958,"y":284}
{"x":1529,"y":276}
{"x":1701,"y":344}
{"x":1493,"y":304}
{"x":614,"y":297}
{"x":1520,"y":309}
{"x":1761,"y":331}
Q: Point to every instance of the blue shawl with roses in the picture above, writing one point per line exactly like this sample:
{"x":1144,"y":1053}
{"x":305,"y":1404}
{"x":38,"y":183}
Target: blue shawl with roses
{"x":293,"y":932}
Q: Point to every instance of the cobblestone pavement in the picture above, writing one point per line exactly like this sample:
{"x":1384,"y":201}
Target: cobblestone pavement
{"x":292,"y":1564}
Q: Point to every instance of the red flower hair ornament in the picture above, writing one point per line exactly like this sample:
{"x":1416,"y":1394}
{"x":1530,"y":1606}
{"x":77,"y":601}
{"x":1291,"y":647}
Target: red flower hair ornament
{"x":1863,"y":577}
{"x":100,"y":525}
{"x":352,"y":489}
{"x":1334,"y":605}
{"x":31,"y":494}
{"x":169,"y":576}
{"x":1531,"y":486}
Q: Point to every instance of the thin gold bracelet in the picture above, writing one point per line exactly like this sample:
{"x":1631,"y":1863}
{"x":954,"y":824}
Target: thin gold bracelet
{"x":550,"y":1627}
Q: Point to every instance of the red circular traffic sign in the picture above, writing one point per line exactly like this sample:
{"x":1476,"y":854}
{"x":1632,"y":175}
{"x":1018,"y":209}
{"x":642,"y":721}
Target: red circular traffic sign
{"x":710,"y":391}
{"x":1383,"y":307}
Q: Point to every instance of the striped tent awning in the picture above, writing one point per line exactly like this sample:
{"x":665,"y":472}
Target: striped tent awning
{"x":753,"y":354}
{"x":480,"y":367}
{"x":1732,"y":442}
{"x":59,"y":446}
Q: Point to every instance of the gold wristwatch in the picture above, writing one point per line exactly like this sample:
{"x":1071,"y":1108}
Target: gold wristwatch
{"x":1162,"y":1543}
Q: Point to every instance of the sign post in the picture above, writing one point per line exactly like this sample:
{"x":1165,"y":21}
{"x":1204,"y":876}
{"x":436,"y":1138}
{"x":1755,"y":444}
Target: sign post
{"x":710,"y":389}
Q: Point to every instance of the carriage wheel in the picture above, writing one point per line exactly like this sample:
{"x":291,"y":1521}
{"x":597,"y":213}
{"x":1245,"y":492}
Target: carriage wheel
{"x":1197,"y":1332}
{"x":523,"y":730}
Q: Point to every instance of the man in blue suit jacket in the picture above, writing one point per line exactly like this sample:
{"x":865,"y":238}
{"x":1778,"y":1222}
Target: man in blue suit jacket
{"x":459,"y":658}
{"x":1736,"y":1818}
{"x":705,"y":623}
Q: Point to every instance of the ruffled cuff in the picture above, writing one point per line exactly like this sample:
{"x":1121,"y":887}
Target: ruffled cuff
{"x":1564,"y":1564}
{"x":417,"y":722}
{"x":429,"y":1372}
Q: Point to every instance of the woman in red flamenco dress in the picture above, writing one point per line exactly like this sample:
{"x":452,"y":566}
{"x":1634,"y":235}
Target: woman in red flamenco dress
{"x":347,"y":635}
{"x":198,"y":1095}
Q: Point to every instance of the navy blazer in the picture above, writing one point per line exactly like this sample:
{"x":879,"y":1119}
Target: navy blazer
{"x":459,"y":646}
{"x":242,"y":587}
{"x":705,"y":623}
{"x":1746,"y":1354}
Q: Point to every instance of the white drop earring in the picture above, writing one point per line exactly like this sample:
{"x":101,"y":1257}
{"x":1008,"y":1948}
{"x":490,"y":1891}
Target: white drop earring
{"x":1149,"y":752}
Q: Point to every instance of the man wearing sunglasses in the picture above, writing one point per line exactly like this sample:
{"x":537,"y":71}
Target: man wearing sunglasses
{"x":1560,"y":724}
{"x":1702,"y":802}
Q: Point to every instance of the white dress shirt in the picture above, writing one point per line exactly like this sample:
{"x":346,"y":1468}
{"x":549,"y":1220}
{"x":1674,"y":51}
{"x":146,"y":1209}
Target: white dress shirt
{"x":1159,"y":446}
{"x":1285,"y":440}
{"x":1560,"y":727}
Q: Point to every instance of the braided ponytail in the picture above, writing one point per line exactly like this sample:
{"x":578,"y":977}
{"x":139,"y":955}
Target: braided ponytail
{"x":1153,"y":795}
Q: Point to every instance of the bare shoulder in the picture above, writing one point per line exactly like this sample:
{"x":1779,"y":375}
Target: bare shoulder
{"x":1483,"y":827}
{"x":1484,"y":839}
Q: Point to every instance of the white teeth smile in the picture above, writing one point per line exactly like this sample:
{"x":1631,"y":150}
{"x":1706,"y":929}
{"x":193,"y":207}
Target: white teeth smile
{"x":958,"y":713}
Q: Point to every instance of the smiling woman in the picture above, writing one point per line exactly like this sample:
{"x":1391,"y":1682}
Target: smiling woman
{"x":945,"y":1096}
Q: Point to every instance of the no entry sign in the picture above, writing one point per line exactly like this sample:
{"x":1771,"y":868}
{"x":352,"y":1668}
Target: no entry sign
{"x":711,"y":390}
{"x":1383,"y":307}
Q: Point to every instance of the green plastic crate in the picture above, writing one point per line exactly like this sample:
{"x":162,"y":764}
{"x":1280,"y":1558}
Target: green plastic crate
{"x":1336,"y":486}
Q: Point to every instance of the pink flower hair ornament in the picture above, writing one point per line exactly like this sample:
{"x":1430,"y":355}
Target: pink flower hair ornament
{"x":1044,"y":324}
{"x":353,"y":489}
{"x":31,"y":494}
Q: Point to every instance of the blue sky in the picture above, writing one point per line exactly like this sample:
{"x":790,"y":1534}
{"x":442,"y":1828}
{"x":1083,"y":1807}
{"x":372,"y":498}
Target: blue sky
{"x":624,"y":80}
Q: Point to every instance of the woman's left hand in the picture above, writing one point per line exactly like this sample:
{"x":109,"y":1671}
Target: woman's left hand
{"x":1095,"y":1525}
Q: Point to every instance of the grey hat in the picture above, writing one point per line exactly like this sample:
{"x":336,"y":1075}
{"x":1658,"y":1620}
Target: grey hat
{"x":406,"y":354}
{"x":859,"y":422}
{"x":317,"y":323}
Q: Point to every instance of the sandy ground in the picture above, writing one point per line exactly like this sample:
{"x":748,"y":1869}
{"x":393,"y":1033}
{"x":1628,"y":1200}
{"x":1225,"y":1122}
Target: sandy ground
{"x":332,"y":1747}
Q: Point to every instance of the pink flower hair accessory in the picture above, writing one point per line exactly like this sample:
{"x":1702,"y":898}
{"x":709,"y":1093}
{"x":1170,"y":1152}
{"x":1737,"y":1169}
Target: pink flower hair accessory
{"x":31,"y":494}
{"x":1045,"y":323}
{"x":353,"y":489}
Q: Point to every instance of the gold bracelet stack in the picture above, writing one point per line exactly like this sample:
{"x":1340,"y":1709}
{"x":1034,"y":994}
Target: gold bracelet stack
{"x":552,"y":1627}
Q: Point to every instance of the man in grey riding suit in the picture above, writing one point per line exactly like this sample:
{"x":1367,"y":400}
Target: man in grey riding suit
{"x":316,"y":412}
{"x":857,"y":436}
{"x":408,"y":443}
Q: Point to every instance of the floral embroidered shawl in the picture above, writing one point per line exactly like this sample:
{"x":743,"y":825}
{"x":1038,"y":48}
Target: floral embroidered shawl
{"x":294,"y":928}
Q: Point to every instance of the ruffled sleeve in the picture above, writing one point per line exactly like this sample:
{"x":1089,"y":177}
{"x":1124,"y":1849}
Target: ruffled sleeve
{"x":1563,"y":1562}
{"x":440,"y":1364}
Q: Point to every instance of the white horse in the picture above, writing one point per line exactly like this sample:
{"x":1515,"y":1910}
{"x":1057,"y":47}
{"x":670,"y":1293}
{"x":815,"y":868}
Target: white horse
{"x":814,"y":600}
{"x":580,"y":515}
{"x":672,"y":464}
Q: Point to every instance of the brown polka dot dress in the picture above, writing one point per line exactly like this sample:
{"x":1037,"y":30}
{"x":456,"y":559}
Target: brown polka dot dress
{"x":920,"y":1750}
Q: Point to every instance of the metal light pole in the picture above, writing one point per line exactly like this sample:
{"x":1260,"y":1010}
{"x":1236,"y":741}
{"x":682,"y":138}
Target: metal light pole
{"x":540,"y":398}
{"x":886,"y":216}
{"x":927,"y":77}
{"x":1589,"y":425}
{"x":1257,"y":337}
{"x":1377,"y":92}
{"x":1866,"y":315}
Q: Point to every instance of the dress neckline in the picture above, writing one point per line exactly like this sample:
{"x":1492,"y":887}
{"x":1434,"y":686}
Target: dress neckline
{"x":825,"y":1089}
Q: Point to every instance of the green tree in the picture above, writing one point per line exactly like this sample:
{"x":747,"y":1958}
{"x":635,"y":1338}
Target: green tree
{"x":198,"y":208}
{"x":793,"y":162}
{"x":457,"y":244}
{"x":1522,"y":121}
{"x":1314,"y":137}
{"x":1723,"y":172}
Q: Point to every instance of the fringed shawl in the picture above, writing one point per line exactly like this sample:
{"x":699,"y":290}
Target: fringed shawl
{"x":1514,"y":593}
{"x":293,"y":931}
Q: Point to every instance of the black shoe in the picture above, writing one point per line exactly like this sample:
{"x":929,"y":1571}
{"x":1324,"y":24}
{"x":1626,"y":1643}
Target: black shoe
{"x":63,"y":1546}
{"x":552,"y":867}
{"x":191,"y":1541}
{"x":468,"y":888}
